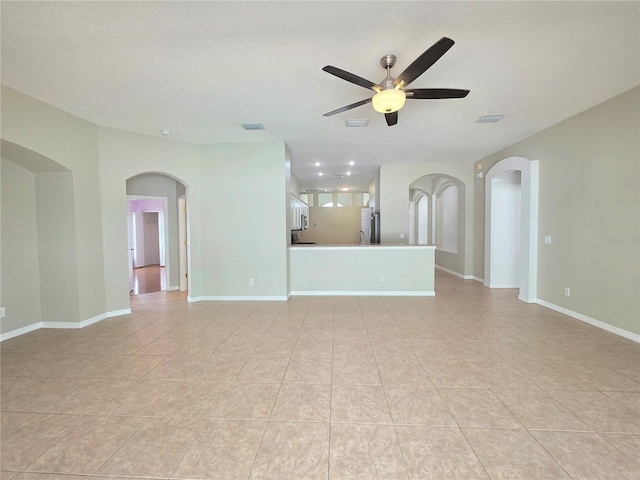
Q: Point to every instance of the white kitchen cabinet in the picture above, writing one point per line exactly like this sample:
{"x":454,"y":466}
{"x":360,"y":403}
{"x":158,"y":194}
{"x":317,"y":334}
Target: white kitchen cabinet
{"x":299,"y":212}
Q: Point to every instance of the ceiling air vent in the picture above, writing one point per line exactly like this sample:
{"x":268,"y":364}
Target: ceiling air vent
{"x":316,"y":190}
{"x":490,"y":118}
{"x":356,"y":123}
{"x":253,"y":126}
{"x":338,"y":177}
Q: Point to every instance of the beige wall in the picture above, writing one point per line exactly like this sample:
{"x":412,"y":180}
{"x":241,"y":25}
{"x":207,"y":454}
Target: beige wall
{"x":358,"y":270}
{"x":589,"y":191}
{"x":72,"y":143}
{"x":244,"y":231}
{"x":20,"y":294}
{"x":57,"y":247}
{"x":333,"y":225}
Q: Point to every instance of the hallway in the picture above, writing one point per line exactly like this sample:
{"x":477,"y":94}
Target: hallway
{"x":148,"y":279}
{"x":469,"y":384}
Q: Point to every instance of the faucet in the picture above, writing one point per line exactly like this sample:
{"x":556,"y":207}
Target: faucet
{"x":360,"y":237}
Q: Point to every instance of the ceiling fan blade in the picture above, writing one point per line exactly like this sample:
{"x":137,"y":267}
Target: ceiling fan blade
{"x":350,"y":77}
{"x":424,"y":61}
{"x":348,"y":107}
{"x":391,"y":118}
{"x":435,"y":93}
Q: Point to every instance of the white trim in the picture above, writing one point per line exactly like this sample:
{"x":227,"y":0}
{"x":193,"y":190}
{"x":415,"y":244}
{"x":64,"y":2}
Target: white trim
{"x":368,"y":246}
{"x":234,"y":298}
{"x":596,"y":323}
{"x":459,"y":275}
{"x":477,"y":279}
{"x":527,"y":300}
{"x":91,"y":321}
{"x":82,"y":324}
{"x":19,"y":331}
{"x":63,"y":325}
{"x":380,"y":293}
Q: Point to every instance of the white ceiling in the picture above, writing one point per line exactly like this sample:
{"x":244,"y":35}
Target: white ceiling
{"x":200,"y":69}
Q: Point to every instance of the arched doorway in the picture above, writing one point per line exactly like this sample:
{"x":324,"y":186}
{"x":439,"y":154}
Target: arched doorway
{"x":511,"y":226}
{"x":443,"y":198}
{"x":157,"y":231}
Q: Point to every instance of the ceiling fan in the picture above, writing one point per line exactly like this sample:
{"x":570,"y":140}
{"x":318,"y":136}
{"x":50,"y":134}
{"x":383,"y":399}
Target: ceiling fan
{"x":390,"y":93}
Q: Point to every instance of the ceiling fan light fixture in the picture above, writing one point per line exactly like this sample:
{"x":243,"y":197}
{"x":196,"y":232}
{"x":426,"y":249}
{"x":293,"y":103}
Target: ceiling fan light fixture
{"x":389,"y":101}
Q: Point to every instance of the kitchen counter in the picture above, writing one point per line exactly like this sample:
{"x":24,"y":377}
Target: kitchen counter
{"x":388,"y":269}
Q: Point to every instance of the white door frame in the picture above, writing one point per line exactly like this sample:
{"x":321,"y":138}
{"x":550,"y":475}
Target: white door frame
{"x":167,"y":240}
{"x":182,"y":243}
{"x":529,"y":170}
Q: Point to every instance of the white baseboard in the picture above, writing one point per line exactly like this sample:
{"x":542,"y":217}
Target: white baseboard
{"x":19,"y":331}
{"x":596,"y":323}
{"x":380,"y":293}
{"x":477,"y":279}
{"x":64,"y":325}
{"x":238,"y":298}
{"x":459,"y":275}
{"x":527,"y":300}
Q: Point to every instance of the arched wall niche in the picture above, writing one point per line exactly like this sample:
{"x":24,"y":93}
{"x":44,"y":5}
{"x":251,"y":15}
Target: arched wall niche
{"x":433,"y":186}
{"x":39,"y":253}
{"x":528,"y":223}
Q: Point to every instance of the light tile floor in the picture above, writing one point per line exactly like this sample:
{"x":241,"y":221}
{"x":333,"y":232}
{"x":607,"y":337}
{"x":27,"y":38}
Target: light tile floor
{"x":470,"y":384}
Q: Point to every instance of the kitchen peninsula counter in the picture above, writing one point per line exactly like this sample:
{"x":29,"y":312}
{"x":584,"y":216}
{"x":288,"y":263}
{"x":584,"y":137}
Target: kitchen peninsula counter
{"x":365,"y":269}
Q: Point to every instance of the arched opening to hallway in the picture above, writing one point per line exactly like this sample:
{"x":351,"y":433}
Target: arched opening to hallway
{"x":157,"y":233}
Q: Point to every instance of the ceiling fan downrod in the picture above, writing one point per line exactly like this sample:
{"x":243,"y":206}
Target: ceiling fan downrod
{"x":387,"y":62}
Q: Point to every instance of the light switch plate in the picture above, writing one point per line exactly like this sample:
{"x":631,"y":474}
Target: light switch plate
{"x":547,"y":239}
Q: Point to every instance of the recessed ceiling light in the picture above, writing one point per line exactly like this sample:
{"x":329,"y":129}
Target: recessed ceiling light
{"x":165,"y":132}
{"x":316,"y":164}
{"x":344,"y":189}
{"x":253,"y":126}
{"x":490,"y":118}
{"x":352,"y":163}
{"x":356,"y":123}
{"x":348,"y":173}
{"x":320,"y":174}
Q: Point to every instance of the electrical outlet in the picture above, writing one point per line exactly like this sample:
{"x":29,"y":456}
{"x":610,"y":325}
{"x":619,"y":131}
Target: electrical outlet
{"x":251,"y":282}
{"x":547,"y":239}
{"x":567,"y":292}
{"x":1,"y":312}
{"x":402,"y":236}
{"x":383,"y":278}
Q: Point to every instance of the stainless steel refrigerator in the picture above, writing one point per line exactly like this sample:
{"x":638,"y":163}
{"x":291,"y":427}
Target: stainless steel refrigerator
{"x":375,"y":228}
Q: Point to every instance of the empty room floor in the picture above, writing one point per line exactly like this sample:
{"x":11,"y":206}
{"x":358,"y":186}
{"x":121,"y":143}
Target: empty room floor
{"x":470,"y":384}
